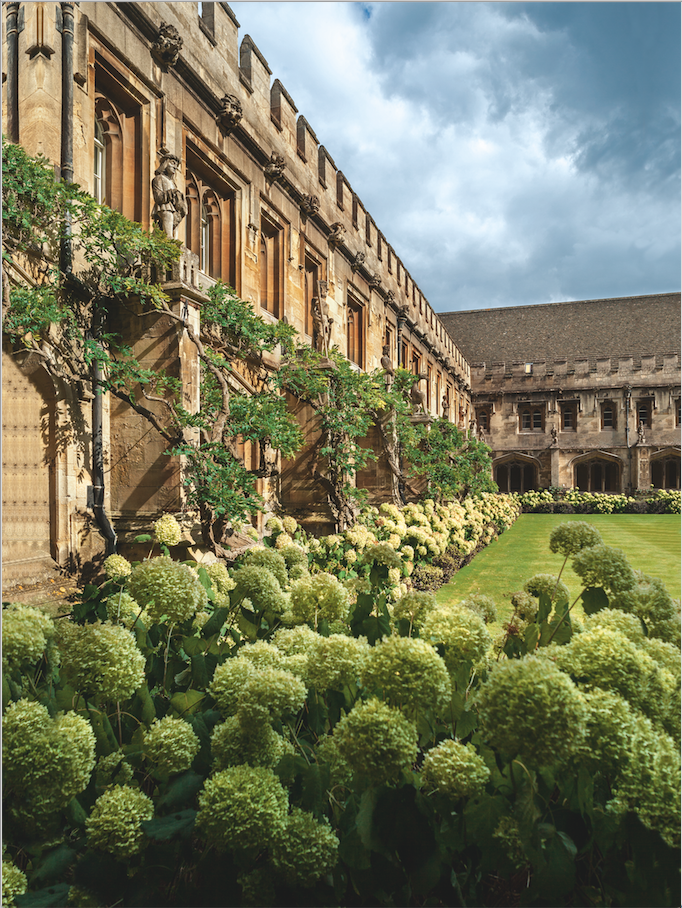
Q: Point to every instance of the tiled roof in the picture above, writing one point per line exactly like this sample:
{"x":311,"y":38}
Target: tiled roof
{"x":630,"y":325}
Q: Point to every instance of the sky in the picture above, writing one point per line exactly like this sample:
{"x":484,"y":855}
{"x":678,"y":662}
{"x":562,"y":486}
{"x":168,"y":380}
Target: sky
{"x":511,"y":153}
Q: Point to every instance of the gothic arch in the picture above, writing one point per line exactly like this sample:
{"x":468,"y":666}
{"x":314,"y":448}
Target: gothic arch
{"x":665,"y":469}
{"x":597,"y":471}
{"x":516,"y":472}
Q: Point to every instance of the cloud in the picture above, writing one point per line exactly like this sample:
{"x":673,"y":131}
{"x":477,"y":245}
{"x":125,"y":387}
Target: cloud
{"x":510,"y":152}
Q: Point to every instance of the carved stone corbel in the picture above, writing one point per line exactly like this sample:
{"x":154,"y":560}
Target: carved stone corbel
{"x":229,"y":115}
{"x":390,"y":298}
{"x":275,"y":168}
{"x":310,"y":205}
{"x":337,"y":234}
{"x":167,"y":46}
{"x":375,"y":282}
{"x":358,"y":261}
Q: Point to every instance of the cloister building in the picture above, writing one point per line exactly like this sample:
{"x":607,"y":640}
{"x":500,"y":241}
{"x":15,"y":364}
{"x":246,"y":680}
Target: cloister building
{"x":107,"y":91}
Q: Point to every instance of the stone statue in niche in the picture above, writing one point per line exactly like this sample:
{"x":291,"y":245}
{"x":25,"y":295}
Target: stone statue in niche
{"x":387,"y":365}
{"x":275,"y":167}
{"x":641,"y":438}
{"x":555,"y":435}
{"x":417,"y":396}
{"x":322,"y":326}
{"x":166,"y":49}
{"x":337,"y":234}
{"x":445,"y":404}
{"x":230,"y":114}
{"x":310,"y":204}
{"x":481,"y":433}
{"x":170,"y":206}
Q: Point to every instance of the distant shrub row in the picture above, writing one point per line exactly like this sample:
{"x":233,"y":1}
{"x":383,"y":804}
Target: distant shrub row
{"x":571,"y":501}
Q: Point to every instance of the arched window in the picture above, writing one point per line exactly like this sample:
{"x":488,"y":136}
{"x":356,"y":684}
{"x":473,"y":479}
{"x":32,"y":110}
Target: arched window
{"x":205,"y":240}
{"x":99,"y":164}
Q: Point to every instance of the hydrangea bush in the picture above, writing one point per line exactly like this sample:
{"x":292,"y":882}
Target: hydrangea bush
{"x":305,"y":727}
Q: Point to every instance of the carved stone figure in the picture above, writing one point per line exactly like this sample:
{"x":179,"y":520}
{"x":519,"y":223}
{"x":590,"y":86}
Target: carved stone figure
{"x":337,"y":234}
{"x":375,"y":282}
{"x":170,"y":206}
{"x":417,"y":396}
{"x":358,"y":261}
{"x":387,"y":365}
{"x":166,"y":49}
{"x":555,"y":435}
{"x":390,"y":297}
{"x":275,"y":168}
{"x":310,"y":205}
{"x":445,"y":404}
{"x":641,"y":438}
{"x":481,"y":433}
{"x":322,"y":326}
{"x":230,"y":114}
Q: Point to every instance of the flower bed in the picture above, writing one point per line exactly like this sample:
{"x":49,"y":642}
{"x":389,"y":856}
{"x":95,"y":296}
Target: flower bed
{"x":273,"y":734}
{"x":572,"y":501}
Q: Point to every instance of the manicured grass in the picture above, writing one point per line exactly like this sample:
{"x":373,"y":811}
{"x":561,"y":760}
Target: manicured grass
{"x":651,"y":543}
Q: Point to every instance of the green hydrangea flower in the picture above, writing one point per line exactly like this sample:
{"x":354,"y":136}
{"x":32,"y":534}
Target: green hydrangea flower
{"x":101,"y":659}
{"x":305,"y":850}
{"x":289,"y":525}
{"x":651,"y":602}
{"x":377,"y":740}
{"x":296,"y":560}
{"x":319,"y":596}
{"x":483,"y":606}
{"x":171,"y":744}
{"x":327,"y":751}
{"x":414,"y":606}
{"x":525,"y":606}
{"x":455,"y":769}
{"x":261,"y":587}
{"x":261,"y":654}
{"x":14,"y":883}
{"x":258,"y":888}
{"x":409,"y":672}
{"x":25,"y":634}
{"x":167,"y":588}
{"x":611,"y":725}
{"x":123,"y":609}
{"x":260,"y":745}
{"x":270,"y":560}
{"x":628,"y":625}
{"x":383,"y":553}
{"x":295,"y":640}
{"x":604,"y":658}
{"x":117,"y":568}
{"x":572,"y":537}
{"x":604,"y":566}
{"x":649,"y":783}
{"x":115,"y":823}
{"x":547,"y":584}
{"x":167,"y":530}
{"x":46,"y":762}
{"x":335,"y":661}
{"x":228,"y":682}
{"x":242,"y":807}
{"x":462,"y":634}
{"x":269,"y":693}
{"x":529,"y":708}
{"x":219,"y":577}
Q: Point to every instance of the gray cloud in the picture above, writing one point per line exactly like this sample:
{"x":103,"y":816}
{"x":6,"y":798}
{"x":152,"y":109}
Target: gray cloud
{"x":510,"y":152}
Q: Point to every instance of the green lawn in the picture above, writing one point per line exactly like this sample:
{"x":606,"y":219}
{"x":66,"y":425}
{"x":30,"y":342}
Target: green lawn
{"x":651,"y":543}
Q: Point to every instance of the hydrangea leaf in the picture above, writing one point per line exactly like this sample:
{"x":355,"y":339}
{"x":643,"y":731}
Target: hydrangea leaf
{"x":215,"y":622}
{"x":482,"y":815}
{"x":177,"y":824}
{"x":187,"y":701}
{"x":54,"y":863}
{"x":52,"y":897}
{"x":594,"y":600}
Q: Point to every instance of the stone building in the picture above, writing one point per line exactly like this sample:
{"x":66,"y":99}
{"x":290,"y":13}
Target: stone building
{"x":577,"y":395}
{"x":110,"y":93}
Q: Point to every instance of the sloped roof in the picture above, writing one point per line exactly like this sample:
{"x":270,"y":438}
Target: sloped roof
{"x":550,"y":332}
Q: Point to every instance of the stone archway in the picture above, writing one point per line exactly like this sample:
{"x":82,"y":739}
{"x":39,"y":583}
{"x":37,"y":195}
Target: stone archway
{"x":516,"y":473}
{"x":665,"y":469}
{"x":600,"y":472}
